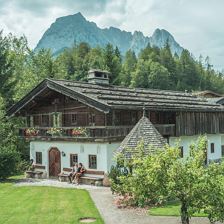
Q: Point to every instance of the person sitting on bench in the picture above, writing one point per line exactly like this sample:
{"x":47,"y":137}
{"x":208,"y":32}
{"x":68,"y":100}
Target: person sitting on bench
{"x":80,"y":172}
{"x":71,"y":175}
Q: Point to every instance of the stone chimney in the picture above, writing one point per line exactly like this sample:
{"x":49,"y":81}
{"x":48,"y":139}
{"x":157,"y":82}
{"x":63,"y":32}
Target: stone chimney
{"x":97,"y":76}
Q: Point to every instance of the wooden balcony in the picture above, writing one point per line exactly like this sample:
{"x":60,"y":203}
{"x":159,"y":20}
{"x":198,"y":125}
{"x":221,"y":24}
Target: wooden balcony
{"x":91,"y":133}
{"x":166,"y":129}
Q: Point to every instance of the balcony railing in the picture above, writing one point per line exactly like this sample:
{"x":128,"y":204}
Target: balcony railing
{"x":166,"y":129}
{"x":92,"y":132}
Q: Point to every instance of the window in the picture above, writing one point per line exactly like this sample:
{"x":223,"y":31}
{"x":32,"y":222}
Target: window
{"x":92,"y":162}
{"x":57,"y":119}
{"x":73,"y":159}
{"x":45,"y":120}
{"x":92,"y":119}
{"x":212,"y":147}
{"x":39,"y":157}
{"x":222,"y":150}
{"x":74,"y":118}
{"x":36,"y":120}
{"x":181,"y":151}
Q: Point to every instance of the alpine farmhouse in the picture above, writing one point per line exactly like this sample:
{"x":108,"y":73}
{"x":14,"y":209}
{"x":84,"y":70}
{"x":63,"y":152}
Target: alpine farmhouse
{"x":68,"y":121}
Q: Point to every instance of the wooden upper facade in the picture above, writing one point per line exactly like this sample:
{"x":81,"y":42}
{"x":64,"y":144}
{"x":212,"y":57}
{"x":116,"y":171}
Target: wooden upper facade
{"x":109,"y":112}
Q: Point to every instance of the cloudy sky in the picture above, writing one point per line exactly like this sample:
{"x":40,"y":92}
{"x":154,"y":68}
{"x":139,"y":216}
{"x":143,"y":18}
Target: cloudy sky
{"x":196,"y":25}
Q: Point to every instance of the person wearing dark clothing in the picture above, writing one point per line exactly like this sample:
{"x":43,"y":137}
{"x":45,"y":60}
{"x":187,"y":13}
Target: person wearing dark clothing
{"x":73,"y":173}
{"x":80,"y":171}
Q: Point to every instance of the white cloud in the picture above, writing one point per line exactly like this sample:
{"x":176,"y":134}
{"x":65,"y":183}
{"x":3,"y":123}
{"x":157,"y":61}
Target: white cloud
{"x":196,"y":25}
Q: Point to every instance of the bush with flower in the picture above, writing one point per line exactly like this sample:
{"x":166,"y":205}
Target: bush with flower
{"x":55,"y":131}
{"x":79,"y":131}
{"x":31,"y":132}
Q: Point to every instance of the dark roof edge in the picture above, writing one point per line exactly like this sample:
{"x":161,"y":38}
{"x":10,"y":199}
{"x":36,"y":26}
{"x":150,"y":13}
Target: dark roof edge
{"x":27,"y":98}
{"x":79,"y":96}
{"x":47,"y":83}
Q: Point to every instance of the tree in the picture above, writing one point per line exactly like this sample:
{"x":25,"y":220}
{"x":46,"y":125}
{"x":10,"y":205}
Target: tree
{"x":167,"y":60}
{"x":159,"y":77}
{"x":184,"y":179}
{"x":128,"y":67}
{"x":213,"y":192}
{"x":6,"y":70}
{"x":160,"y":175}
{"x":188,"y":74}
{"x":9,"y":155}
{"x":112,"y":60}
{"x":139,"y":78}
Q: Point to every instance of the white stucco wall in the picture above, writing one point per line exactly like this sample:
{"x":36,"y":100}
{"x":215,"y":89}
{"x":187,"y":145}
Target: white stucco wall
{"x":222,"y":139}
{"x":186,"y":141}
{"x":103,"y":151}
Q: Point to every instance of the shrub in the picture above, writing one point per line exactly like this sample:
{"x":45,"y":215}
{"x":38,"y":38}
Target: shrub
{"x":115,"y":173}
{"x":9,"y":158}
{"x":22,"y":166}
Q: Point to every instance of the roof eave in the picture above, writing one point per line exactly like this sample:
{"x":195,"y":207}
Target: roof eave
{"x":47,"y":83}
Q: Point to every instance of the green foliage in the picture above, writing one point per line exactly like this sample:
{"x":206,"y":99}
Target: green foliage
{"x":162,"y":175}
{"x":9,"y":158}
{"x":6,"y":70}
{"x":213,"y":192}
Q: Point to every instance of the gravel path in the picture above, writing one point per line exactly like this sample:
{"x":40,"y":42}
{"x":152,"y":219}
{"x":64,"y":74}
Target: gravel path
{"x":112,"y":215}
{"x":104,"y":201}
{"x":53,"y":183}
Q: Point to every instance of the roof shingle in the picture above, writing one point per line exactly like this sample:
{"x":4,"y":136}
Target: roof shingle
{"x":144,"y":131}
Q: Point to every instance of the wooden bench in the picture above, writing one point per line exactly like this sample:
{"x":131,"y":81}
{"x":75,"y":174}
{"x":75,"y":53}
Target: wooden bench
{"x":34,"y":174}
{"x":90,"y":177}
{"x":63,"y":177}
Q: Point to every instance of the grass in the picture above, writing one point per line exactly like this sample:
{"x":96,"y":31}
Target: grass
{"x":171,"y":209}
{"x":43,"y":205}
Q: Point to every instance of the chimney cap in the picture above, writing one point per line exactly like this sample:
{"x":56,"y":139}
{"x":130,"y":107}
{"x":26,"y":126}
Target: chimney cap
{"x":98,"y":70}
{"x":98,"y":76}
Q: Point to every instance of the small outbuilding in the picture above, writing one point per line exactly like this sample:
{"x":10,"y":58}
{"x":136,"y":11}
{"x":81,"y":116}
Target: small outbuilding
{"x":143,"y":131}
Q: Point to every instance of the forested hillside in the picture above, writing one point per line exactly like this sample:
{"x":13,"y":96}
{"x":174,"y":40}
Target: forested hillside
{"x":21,"y":69}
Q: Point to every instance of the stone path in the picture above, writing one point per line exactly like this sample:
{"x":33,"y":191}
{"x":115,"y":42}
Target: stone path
{"x":104,"y":201}
{"x":53,"y":183}
{"x":112,"y":215}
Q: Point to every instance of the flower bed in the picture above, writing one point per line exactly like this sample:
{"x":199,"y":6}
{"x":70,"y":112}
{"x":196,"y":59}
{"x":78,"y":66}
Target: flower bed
{"x":55,"y":131}
{"x":31,"y":132}
{"x":79,"y":132}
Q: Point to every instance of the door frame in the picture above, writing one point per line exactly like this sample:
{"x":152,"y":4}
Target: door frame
{"x":55,"y":148}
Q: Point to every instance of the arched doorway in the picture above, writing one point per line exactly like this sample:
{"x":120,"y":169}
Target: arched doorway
{"x":54,"y":162}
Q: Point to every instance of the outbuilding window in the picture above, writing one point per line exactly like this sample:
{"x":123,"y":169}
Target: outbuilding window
{"x":92,"y":162}
{"x":222,"y":150}
{"x":181,"y":151}
{"x":212,"y":147}
{"x":74,"y":119}
{"x":39,"y":157}
{"x":73,"y":159}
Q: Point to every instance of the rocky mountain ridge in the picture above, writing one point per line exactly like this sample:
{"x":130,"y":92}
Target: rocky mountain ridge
{"x":74,"y":29}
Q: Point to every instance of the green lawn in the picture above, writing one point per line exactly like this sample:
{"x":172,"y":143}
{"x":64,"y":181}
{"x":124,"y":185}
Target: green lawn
{"x":44,"y":205}
{"x":171,"y":209}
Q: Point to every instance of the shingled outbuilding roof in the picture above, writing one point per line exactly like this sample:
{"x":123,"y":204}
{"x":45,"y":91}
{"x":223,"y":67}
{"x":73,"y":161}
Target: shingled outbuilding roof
{"x":143,"y":131}
{"x":107,"y":97}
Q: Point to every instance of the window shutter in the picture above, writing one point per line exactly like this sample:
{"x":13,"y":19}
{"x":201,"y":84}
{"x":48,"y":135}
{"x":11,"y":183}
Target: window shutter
{"x":31,"y":121}
{"x":54,"y":120}
{"x":71,"y":160}
{"x":59,"y":119}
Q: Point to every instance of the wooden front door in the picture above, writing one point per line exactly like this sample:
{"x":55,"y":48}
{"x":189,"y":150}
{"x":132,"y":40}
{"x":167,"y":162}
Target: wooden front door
{"x":54,"y":162}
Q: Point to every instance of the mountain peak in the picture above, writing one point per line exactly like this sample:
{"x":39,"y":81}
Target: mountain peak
{"x":74,"y":29}
{"x":161,"y":36}
{"x":77,"y":17}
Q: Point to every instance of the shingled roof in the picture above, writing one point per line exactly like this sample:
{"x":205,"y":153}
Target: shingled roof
{"x":107,"y":97}
{"x":144,"y":131}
